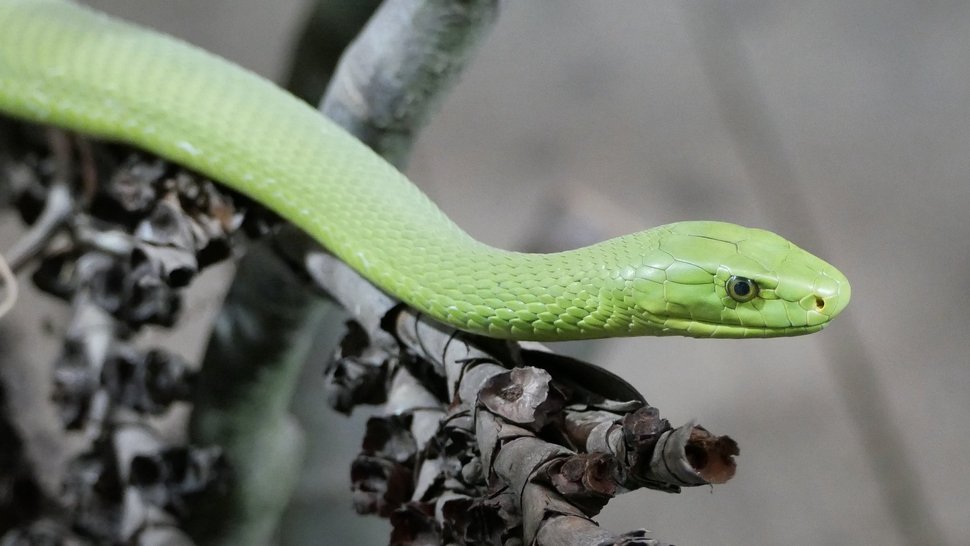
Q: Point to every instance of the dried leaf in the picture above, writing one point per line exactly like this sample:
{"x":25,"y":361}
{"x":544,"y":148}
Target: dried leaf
{"x":587,"y":480}
{"x":146,"y":382}
{"x":414,"y":524}
{"x":379,"y":486}
{"x":523,"y":396}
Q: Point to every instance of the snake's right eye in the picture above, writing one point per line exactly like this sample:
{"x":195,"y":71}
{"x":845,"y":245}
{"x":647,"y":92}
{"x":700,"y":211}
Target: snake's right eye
{"x":741,"y":289}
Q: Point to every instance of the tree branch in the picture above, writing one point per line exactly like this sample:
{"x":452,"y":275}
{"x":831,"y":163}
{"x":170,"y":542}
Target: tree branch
{"x":402,"y":65}
{"x":508,"y":420}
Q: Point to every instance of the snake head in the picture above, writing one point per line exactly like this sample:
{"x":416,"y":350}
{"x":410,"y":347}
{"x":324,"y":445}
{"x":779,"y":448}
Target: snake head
{"x":713,"y":279}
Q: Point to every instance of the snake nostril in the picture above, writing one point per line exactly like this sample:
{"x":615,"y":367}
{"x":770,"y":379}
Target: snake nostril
{"x":819,"y":303}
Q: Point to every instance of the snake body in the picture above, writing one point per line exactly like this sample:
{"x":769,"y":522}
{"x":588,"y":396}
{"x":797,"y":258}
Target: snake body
{"x":66,"y":65}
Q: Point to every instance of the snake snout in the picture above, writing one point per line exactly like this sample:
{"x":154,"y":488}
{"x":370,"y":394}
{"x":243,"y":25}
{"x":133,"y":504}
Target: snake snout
{"x":832,"y":294}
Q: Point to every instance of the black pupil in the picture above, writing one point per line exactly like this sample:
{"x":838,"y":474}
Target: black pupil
{"x":742,"y":288}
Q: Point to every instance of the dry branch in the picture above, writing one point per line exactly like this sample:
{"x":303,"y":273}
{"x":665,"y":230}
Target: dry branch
{"x":530,"y":447}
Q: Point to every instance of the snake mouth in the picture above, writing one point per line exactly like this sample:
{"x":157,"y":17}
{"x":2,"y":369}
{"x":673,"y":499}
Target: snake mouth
{"x":765,"y":331}
{"x":705,"y":329}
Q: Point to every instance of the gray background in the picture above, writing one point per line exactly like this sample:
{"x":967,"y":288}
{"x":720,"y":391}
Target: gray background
{"x":606,"y":116}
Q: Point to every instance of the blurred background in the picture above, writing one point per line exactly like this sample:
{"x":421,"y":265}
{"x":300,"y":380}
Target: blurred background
{"x":843,"y":126}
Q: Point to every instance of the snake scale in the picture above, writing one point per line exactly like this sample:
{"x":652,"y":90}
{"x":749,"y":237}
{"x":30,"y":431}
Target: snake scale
{"x":69,"y":66}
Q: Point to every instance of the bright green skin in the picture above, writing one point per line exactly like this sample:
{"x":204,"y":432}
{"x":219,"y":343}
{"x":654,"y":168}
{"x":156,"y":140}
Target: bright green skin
{"x":64,"y":65}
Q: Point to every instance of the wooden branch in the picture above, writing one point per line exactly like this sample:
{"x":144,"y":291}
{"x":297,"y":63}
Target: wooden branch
{"x":509,"y":410}
{"x":405,"y":61}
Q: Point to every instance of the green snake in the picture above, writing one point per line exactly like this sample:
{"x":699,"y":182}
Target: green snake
{"x":65,"y":65}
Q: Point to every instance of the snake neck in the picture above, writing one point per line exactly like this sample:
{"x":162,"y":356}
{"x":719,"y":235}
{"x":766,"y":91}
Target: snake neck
{"x":576,"y":294}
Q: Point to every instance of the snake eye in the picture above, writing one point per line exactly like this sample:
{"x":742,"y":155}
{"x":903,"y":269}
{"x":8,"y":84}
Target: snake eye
{"x":741,"y":289}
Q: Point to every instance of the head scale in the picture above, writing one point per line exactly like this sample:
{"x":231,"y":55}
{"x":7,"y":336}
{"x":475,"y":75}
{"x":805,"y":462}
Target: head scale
{"x":713,"y":279}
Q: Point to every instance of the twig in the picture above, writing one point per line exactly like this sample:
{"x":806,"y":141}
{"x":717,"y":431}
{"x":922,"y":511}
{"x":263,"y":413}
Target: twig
{"x":56,"y":212}
{"x":57,"y":209}
{"x":9,"y":283}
